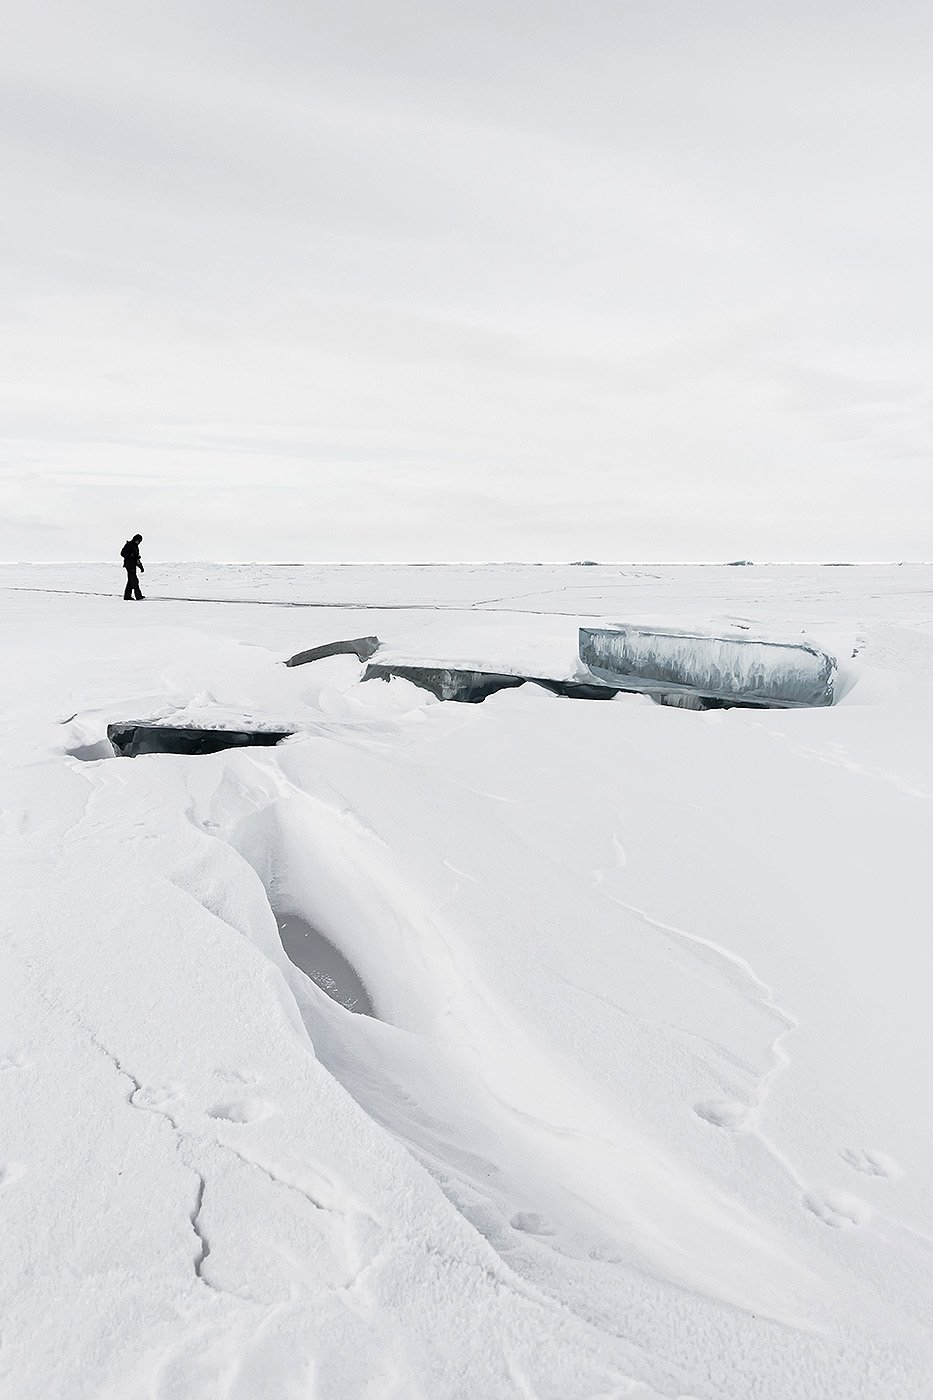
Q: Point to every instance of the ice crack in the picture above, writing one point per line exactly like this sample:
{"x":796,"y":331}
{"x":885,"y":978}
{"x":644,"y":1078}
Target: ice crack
{"x":204,"y":1248}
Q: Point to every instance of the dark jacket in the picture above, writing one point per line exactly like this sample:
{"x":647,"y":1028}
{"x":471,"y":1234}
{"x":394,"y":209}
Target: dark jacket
{"x":130,"y":555}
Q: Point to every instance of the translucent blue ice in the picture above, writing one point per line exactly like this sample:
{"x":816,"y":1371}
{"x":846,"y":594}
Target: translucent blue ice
{"x":733,"y":668}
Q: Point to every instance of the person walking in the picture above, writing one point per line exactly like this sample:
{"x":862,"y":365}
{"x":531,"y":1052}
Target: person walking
{"x":131,"y":562}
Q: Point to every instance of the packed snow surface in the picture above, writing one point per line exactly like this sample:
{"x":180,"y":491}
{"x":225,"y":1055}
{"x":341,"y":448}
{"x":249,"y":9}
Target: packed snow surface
{"x":640,"y":1103}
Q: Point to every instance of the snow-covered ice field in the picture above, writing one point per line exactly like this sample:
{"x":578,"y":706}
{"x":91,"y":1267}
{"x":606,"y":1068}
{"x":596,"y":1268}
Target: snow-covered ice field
{"x":644,"y":1106}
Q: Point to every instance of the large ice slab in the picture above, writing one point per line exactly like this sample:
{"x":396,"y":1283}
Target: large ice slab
{"x":363,"y":647}
{"x":471,"y":686}
{"x":131,"y":739}
{"x":733,"y":667}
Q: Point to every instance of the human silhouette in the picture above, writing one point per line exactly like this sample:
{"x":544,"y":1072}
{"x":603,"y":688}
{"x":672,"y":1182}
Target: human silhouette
{"x":131,"y":562}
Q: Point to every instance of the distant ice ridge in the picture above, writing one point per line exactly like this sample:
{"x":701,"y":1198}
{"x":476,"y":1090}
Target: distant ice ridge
{"x":724,"y":665}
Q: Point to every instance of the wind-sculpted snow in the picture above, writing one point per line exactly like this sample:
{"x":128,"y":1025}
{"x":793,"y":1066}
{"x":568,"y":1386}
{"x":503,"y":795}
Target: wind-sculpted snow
{"x":601,"y":1179}
{"x":643,"y":1109}
{"x":736,"y":669}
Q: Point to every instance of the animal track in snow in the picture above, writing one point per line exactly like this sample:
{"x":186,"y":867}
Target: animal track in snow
{"x":726,"y":1113}
{"x":837,"y":1208}
{"x":249,"y":1110}
{"x":10,"y":1172}
{"x":870,"y":1163}
{"x":531,"y":1223}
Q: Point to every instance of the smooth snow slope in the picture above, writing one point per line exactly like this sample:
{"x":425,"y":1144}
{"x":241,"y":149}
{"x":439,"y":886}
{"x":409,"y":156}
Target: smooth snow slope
{"x":643,"y":1109}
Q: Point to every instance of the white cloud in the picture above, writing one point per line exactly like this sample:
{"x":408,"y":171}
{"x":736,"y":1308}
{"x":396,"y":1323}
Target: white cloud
{"x":435,"y":281}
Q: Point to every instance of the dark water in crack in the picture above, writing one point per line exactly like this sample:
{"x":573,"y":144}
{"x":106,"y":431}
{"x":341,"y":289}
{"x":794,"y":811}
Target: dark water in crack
{"x":318,"y":959}
{"x":130,"y":740}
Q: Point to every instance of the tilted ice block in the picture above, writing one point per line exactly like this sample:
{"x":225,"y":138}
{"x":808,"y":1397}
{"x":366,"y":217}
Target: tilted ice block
{"x":363,"y":647}
{"x":446,"y":682}
{"x":471,"y":687}
{"x":737,"y":669}
{"x":130,"y":739}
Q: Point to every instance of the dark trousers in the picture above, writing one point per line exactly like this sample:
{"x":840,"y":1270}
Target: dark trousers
{"x":132,"y":589}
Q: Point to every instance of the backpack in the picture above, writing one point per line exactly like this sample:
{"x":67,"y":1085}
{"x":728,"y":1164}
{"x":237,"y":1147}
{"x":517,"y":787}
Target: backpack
{"x":124,"y":550}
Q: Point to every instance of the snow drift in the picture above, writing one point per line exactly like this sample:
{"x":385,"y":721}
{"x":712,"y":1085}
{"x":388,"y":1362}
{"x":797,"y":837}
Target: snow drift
{"x":642,"y":1110}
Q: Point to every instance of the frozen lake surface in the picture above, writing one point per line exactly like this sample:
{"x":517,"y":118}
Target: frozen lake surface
{"x":644,"y":1110}
{"x":324,"y":964}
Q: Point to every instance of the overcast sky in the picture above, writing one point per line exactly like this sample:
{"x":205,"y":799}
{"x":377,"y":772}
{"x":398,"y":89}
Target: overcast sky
{"x":299,"y":280}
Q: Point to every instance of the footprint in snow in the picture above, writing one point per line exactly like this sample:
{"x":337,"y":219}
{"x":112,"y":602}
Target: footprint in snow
{"x":250,"y":1110}
{"x":837,"y":1208}
{"x":236,"y":1076}
{"x":531,"y":1223}
{"x":870,"y":1163}
{"x":10,"y":1172}
{"x":13,"y":1059}
{"x":162,"y":1099}
{"x":732,"y":1114}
